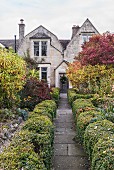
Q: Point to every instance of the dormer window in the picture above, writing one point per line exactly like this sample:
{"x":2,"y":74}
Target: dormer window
{"x":40,"y":48}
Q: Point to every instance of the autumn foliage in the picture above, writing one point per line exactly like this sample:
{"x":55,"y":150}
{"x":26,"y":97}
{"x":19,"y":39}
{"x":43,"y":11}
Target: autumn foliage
{"x":99,"y":50}
{"x":12,"y":76}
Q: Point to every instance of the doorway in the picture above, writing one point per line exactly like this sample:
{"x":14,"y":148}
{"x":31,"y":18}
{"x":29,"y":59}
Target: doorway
{"x":64,"y":84}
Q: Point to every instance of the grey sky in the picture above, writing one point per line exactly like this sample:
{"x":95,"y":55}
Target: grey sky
{"x":58,"y":16}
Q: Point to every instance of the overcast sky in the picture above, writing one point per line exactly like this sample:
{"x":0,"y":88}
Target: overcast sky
{"x":58,"y":16}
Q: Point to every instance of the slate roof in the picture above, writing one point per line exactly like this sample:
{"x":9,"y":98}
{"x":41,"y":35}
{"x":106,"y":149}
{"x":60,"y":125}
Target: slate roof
{"x":64,"y":43}
{"x":40,"y":35}
{"x":10,"y":43}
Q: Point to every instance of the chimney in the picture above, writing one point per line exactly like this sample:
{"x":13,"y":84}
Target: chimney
{"x":75,"y":30}
{"x":21,"y":30}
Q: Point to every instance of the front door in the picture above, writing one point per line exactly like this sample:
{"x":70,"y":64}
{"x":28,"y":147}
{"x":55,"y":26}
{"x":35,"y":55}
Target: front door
{"x":63,"y":83}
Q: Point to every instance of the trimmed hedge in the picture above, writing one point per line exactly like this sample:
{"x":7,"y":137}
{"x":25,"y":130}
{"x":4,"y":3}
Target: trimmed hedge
{"x":49,"y":107}
{"x":81,"y":105}
{"x":72,"y":96}
{"x":31,"y":148}
{"x":85,"y":118}
{"x":55,"y":94}
{"x":20,"y":156}
{"x":103,"y":154}
{"x":96,"y":131}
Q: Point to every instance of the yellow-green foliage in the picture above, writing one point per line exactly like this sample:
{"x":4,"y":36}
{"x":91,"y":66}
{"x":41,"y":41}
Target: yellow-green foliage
{"x":103,"y":154}
{"x":12,"y":74}
{"x":96,"y":131}
{"x":85,"y":118}
{"x":55,"y":94}
{"x":81,"y":105}
{"x":99,"y":78}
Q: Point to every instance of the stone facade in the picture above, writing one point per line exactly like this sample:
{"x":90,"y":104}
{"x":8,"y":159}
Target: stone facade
{"x":59,"y":53}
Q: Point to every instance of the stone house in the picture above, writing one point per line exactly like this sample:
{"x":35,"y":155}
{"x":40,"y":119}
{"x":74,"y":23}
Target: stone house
{"x":51,"y":54}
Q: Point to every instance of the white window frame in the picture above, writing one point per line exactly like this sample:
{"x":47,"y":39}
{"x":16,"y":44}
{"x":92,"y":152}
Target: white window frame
{"x":40,"y":44}
{"x":87,"y":36}
{"x":48,"y":72}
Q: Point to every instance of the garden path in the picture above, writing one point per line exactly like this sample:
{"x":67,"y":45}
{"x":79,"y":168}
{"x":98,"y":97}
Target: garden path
{"x":68,"y":152}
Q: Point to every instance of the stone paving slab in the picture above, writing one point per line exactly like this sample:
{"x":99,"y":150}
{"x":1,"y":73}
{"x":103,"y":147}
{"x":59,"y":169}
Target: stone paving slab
{"x":60,"y":149}
{"x":70,"y":163}
{"x":65,"y":131}
{"x":63,"y":125}
{"x":64,"y":138}
{"x":75,"y":150}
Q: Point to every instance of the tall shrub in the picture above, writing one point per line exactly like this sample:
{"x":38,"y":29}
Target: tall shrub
{"x":12,"y":76}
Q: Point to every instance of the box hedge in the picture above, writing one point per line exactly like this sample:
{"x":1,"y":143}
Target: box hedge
{"x":20,"y":156}
{"x":103,"y":154}
{"x":85,"y":118}
{"x":55,"y":94}
{"x":94,"y":132}
{"x":49,"y":106}
{"x":72,"y":96}
{"x":81,"y":105}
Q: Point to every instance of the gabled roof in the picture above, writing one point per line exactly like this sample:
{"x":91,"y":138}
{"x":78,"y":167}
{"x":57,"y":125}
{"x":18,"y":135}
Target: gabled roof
{"x":87,"y":20}
{"x":10,"y":43}
{"x":64,"y":43}
{"x":40,"y":36}
{"x":64,"y":61}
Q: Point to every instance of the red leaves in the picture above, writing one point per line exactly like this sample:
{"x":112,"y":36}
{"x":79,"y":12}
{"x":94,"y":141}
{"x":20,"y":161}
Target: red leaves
{"x":99,"y":50}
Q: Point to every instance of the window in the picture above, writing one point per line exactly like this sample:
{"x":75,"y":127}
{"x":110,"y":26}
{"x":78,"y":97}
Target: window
{"x":44,"y":73}
{"x":36,"y":48}
{"x":40,"y":48}
{"x":44,"y":48}
{"x":86,"y":37}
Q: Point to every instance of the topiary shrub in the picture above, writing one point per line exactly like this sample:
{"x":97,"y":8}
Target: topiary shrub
{"x":85,"y":118}
{"x":55,"y":94}
{"x":81,"y":105}
{"x":103,"y":154}
{"x":33,"y":93}
{"x":21,"y":156}
{"x":94,"y":132}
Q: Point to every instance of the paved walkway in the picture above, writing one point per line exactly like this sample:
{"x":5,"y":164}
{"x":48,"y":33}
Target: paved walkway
{"x":68,"y":153}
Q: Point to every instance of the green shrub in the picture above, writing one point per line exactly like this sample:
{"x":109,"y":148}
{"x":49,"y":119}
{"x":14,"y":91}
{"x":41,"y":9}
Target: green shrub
{"x":94,"y":132}
{"x":12,"y":77}
{"x":103,"y":154}
{"x":39,"y":124}
{"x":41,"y":142}
{"x":41,"y":111}
{"x":44,"y":130}
{"x":55,"y":94}
{"x":49,"y":106}
{"x":85,"y":118}
{"x":72,"y":96}
{"x":20,"y":156}
{"x":81,"y":105}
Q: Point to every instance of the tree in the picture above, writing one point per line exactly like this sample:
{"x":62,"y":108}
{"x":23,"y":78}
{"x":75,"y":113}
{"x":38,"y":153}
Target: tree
{"x":99,"y":50}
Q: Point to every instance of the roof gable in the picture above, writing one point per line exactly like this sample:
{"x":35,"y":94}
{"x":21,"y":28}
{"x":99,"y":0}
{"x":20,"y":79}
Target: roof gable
{"x":87,"y":27}
{"x":64,"y":61}
{"x":40,"y":35}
